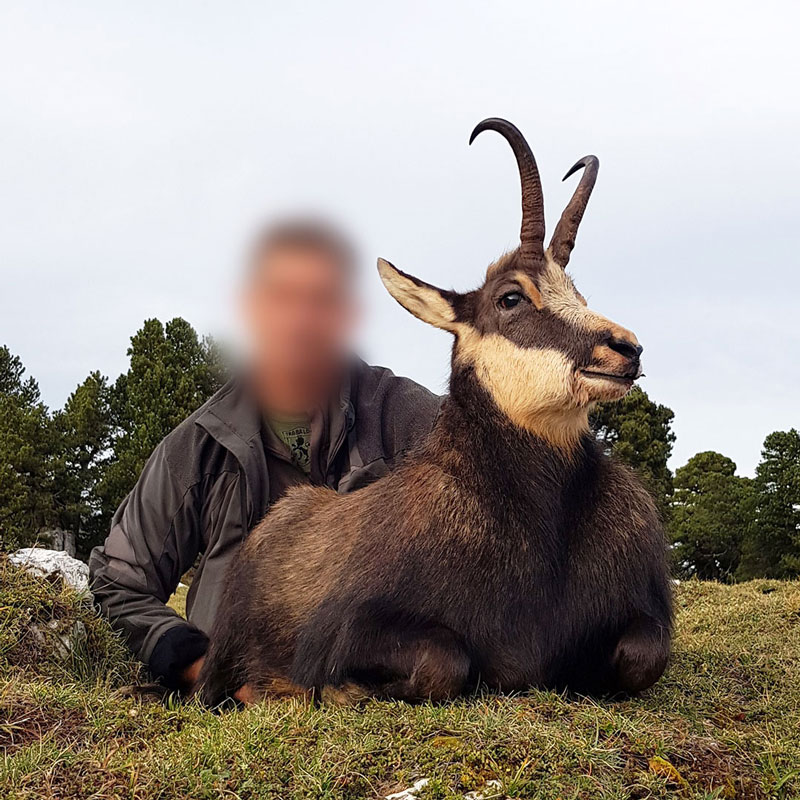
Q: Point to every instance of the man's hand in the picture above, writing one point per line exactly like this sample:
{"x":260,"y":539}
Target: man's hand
{"x":189,"y":676}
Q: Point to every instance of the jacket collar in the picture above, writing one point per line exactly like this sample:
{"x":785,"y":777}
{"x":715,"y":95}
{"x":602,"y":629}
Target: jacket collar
{"x":233,"y":418}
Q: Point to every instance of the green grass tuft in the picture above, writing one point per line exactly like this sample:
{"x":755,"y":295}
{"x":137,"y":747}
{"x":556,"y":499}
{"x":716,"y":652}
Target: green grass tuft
{"x":723,"y":723}
{"x":36,"y":614}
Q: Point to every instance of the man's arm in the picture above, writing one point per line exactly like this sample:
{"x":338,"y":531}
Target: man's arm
{"x":154,"y":539}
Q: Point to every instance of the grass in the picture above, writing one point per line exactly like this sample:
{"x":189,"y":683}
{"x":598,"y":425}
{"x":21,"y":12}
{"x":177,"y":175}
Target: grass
{"x":178,"y":600}
{"x":724,"y":722}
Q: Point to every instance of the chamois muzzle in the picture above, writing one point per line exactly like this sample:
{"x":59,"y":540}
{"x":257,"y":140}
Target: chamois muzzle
{"x":626,"y":349}
{"x":615,"y":366}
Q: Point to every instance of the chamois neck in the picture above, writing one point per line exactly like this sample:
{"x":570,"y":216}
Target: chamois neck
{"x":476,"y":432}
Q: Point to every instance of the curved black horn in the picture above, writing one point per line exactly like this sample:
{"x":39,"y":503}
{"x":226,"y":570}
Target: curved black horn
{"x":531,"y":235}
{"x":567,"y":229}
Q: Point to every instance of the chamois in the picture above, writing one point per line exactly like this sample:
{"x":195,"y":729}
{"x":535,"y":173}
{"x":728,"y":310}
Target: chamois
{"x":509,"y":550}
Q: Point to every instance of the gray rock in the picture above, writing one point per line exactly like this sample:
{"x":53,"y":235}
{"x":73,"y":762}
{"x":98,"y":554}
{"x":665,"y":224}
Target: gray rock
{"x":59,"y":637}
{"x":492,"y":791}
{"x":47,"y":563}
{"x":411,"y":792}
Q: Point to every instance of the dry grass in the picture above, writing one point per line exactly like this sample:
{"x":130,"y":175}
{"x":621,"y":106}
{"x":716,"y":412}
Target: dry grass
{"x":723,"y":723}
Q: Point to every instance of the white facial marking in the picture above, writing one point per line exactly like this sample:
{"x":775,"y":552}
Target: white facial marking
{"x":562,"y":298}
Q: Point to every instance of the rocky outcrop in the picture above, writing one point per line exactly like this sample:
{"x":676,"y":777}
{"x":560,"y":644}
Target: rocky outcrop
{"x":53,"y":564}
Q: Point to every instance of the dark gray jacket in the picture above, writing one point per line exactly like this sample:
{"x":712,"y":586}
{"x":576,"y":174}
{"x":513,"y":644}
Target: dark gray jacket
{"x":207,"y":484}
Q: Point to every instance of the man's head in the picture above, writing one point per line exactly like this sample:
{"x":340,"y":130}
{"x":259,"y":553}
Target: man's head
{"x":299,"y":308}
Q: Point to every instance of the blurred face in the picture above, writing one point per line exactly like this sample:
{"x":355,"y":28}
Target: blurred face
{"x":299,"y":313}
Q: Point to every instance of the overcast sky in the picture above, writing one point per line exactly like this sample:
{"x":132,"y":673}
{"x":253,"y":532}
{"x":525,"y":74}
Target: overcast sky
{"x":140,"y":141}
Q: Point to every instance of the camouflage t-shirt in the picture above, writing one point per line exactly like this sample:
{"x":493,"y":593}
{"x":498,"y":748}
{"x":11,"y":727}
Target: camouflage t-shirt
{"x":296,"y":435}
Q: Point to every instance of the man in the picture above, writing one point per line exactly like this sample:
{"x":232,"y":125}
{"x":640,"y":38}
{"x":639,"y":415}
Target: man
{"x":302,"y":410}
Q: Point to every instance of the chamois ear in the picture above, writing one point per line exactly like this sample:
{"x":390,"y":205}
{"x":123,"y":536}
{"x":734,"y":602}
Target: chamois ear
{"x":424,"y":301}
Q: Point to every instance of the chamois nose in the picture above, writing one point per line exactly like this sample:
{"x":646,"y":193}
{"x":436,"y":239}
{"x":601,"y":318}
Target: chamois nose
{"x":625,"y":348}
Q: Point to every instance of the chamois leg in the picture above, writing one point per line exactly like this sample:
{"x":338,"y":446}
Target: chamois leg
{"x":436,"y":668}
{"x":221,"y":674}
{"x":229,"y":675}
{"x":370,"y":659}
{"x":641,"y":655}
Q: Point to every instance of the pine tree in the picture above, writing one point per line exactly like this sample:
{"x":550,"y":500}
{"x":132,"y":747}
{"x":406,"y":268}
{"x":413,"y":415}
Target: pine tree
{"x":82,"y":431}
{"x":773,"y":549}
{"x":26,"y":442}
{"x":172,"y":372}
{"x":712,"y":512}
{"x":639,"y":432}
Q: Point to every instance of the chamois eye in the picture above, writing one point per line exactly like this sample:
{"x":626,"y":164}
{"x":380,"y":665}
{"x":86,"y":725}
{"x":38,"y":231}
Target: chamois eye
{"x":510,"y":299}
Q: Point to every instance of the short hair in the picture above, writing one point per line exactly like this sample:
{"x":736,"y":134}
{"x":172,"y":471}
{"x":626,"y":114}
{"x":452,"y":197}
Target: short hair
{"x":302,"y":233}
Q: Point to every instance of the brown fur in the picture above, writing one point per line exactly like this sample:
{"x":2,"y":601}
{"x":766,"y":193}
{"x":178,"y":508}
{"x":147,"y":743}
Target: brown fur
{"x":508,"y":550}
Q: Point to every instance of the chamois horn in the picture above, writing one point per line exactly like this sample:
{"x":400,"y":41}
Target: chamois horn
{"x":531,"y":246}
{"x":567,"y":229}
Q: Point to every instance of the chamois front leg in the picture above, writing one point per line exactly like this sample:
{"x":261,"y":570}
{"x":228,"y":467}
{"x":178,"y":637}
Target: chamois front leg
{"x":372,"y":657}
{"x":432,"y":668}
{"x":437,"y":668}
{"x":641,"y":655}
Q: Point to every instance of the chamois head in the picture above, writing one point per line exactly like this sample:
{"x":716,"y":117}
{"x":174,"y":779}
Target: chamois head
{"x":527,"y":334}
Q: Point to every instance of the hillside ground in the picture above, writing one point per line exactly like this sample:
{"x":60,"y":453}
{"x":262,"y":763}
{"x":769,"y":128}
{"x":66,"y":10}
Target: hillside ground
{"x":724,"y":722}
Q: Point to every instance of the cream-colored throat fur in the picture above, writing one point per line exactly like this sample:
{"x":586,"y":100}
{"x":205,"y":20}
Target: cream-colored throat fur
{"x":534,"y":387}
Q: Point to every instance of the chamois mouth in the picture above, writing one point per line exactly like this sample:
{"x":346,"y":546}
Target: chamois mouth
{"x":609,"y":376}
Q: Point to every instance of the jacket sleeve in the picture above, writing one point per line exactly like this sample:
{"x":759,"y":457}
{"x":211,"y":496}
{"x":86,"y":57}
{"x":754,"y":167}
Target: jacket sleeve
{"x":155,"y":537}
